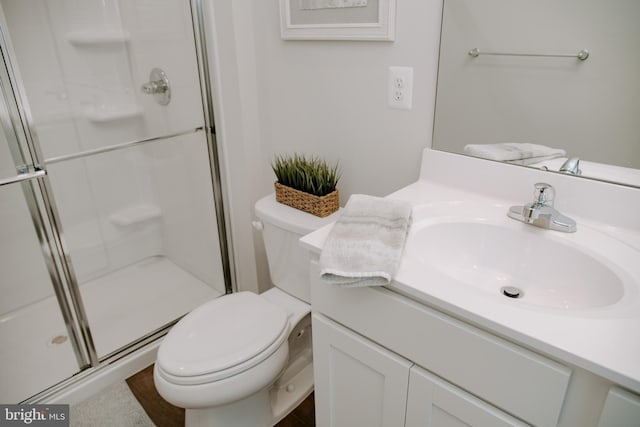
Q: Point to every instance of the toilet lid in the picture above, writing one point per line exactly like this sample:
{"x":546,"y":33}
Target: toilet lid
{"x":221,"y":334}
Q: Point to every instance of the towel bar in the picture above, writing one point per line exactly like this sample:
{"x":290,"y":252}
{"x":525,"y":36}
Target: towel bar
{"x":582,"y":55}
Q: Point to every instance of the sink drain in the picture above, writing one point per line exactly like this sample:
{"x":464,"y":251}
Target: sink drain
{"x":511,"y":292}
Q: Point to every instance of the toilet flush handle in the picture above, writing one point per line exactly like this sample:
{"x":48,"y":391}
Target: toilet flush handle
{"x":258,"y":225}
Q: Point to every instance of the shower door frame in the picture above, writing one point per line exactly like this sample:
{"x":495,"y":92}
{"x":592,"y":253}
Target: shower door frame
{"x":47,"y":222}
{"x":220,"y":195}
{"x":45,"y":218}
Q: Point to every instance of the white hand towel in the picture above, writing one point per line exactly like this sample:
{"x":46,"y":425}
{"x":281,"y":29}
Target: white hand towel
{"x":365,"y":245}
{"x":513,"y":151}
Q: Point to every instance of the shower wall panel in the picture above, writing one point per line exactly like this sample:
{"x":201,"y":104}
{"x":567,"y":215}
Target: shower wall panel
{"x":140,"y":202}
{"x":83,"y":63}
{"x":92,"y":195}
{"x":189,"y":222}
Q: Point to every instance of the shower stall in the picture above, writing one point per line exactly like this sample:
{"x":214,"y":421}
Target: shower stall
{"x":111,"y":219}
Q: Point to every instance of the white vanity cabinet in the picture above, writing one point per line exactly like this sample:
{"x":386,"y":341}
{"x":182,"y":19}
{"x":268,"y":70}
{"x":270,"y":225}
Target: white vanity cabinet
{"x":357,"y":383}
{"x":620,"y":409}
{"x":433,"y":402}
{"x":382,"y":359}
{"x":373,"y":348}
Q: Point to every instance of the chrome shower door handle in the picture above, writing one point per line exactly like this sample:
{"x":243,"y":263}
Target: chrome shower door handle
{"x":158,"y":86}
{"x":25,"y":173}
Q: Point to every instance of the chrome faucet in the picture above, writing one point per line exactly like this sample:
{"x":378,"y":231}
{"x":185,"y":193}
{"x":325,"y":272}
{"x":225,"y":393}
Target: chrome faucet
{"x":571,"y":166}
{"x":541,"y":212}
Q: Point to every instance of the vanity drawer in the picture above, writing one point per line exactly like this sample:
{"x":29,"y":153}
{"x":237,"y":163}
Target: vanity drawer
{"x":509,"y":377}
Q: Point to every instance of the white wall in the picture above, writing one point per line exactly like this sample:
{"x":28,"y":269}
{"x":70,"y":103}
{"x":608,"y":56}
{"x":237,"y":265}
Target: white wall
{"x":319,"y":97}
{"x":231,"y":58}
{"x":330,"y":98}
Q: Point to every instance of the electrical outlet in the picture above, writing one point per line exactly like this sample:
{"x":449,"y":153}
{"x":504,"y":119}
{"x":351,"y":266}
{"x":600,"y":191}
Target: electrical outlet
{"x":401,"y":87}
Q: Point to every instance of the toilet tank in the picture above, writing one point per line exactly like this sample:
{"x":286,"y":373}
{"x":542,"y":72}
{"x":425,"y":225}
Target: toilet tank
{"x":288,"y":261}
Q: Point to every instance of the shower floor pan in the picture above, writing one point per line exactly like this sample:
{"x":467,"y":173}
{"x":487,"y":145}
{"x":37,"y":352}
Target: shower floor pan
{"x":121,"y":307}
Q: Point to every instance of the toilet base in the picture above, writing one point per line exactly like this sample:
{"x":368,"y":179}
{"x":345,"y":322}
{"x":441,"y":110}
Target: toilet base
{"x":262,"y":409}
{"x":253,"y":411}
{"x":290,"y":390}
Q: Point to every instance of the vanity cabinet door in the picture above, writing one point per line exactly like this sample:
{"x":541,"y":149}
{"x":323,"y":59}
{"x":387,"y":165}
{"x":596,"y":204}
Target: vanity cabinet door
{"x":433,"y":402}
{"x":620,"y":409}
{"x":357,"y":383}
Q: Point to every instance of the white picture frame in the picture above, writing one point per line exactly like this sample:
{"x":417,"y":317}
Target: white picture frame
{"x":375,"y":21}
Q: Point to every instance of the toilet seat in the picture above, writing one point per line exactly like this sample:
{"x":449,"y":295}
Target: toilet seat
{"x":222,"y":338}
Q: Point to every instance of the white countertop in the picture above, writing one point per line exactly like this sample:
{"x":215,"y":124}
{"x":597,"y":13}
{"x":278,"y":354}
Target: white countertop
{"x":604,"y":341}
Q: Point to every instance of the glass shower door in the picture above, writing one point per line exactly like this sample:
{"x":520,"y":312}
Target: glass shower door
{"x":37,"y":345}
{"x":128,"y":159}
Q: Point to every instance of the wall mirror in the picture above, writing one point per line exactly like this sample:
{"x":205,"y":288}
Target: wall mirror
{"x":537,"y":83}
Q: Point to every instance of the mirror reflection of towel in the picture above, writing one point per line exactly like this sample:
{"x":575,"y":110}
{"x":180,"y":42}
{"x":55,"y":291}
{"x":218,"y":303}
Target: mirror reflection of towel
{"x":365,"y":245}
{"x":520,"y":153}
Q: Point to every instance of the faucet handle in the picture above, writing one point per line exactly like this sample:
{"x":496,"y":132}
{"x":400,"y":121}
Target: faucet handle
{"x":544,"y":194}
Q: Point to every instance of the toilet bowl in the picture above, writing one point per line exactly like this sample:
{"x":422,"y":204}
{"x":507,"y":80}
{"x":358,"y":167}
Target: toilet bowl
{"x":245,"y":359}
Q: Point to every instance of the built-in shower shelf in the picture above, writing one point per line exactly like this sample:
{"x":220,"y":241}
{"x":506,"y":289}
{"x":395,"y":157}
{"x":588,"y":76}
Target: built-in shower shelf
{"x":86,"y":38}
{"x":102,"y":114}
{"x":135,"y":215}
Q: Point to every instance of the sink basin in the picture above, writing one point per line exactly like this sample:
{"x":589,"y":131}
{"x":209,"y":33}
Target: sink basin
{"x":518,"y":262}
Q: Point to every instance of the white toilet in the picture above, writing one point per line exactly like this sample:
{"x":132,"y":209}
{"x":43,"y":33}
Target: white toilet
{"x":245,"y":359}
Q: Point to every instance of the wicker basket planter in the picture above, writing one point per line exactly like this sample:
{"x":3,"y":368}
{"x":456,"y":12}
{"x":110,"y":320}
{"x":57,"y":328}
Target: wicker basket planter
{"x":321,"y":206}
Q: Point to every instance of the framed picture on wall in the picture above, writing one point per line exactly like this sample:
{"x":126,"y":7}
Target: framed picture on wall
{"x":338,"y":19}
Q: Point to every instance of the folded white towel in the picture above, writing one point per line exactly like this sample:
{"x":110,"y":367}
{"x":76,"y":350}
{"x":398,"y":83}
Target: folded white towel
{"x":514,"y":152}
{"x":365,"y":245}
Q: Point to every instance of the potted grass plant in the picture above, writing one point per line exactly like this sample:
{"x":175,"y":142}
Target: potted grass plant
{"x":307,"y":183}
